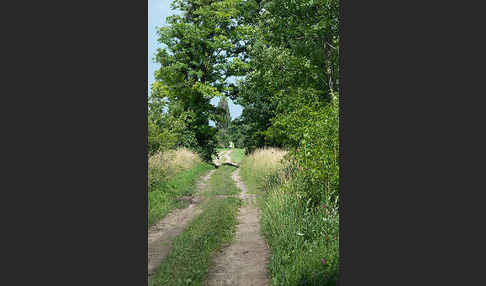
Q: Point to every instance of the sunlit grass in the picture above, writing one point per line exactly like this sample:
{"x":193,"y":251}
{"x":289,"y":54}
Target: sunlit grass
{"x":190,"y":257}
{"x":164,"y":165}
{"x":172,"y":174}
{"x":162,"y":196}
{"x":303,"y":240}
{"x":237,"y":155}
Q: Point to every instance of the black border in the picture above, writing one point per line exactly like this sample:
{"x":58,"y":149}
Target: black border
{"x":78,"y":211}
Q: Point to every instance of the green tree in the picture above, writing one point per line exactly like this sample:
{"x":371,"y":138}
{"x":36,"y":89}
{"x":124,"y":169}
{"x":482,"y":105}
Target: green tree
{"x":236,"y":132}
{"x":293,"y":52}
{"x":290,"y":92}
{"x":196,"y":60}
{"x":225,"y":117}
{"x":223,"y":122}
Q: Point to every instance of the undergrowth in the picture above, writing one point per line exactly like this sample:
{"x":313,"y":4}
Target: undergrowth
{"x":303,"y":238}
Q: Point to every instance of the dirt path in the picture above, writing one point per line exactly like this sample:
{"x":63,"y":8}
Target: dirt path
{"x":224,"y":158}
{"x":227,"y":156}
{"x":244,"y":261}
{"x":162,"y":234}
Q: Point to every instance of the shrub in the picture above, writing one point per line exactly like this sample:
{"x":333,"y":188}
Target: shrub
{"x":311,"y":131}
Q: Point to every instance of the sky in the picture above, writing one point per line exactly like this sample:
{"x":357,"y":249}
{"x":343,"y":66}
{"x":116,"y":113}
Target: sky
{"x":158,"y":10}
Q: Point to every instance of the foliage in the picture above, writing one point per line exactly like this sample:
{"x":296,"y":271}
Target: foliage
{"x":313,"y":129}
{"x":301,"y":236}
{"x":290,"y":93}
{"x":195,"y":64}
{"x":236,"y":133}
{"x":223,"y":122}
{"x":167,"y":130}
{"x":304,"y":240}
{"x":225,"y":118}
{"x":287,"y":52}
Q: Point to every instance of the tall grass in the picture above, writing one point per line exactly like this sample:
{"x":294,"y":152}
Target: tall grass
{"x":171,"y":175}
{"x":303,"y":239}
{"x":258,"y":165}
{"x":164,"y":165}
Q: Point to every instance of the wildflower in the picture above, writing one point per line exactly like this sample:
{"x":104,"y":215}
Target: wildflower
{"x":323,"y":261}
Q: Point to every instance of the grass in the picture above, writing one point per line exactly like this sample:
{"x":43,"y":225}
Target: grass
{"x":303,"y":240}
{"x":237,"y":155}
{"x":257,"y":166}
{"x":162,"y":195}
{"x":164,"y":165}
{"x":221,"y":182}
{"x":218,"y":149}
{"x":300,"y":239}
{"x":190,"y":257}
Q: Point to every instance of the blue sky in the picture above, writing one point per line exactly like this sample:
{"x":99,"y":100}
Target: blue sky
{"x":158,"y":10}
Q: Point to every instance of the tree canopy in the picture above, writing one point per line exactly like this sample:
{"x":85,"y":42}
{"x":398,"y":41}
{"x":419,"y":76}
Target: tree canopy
{"x":285,"y":55}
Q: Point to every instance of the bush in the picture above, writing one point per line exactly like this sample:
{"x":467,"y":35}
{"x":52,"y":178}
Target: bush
{"x":311,"y":131}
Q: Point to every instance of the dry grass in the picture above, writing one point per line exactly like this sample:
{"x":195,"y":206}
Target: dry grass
{"x":299,"y":236}
{"x":265,"y":160}
{"x":259,"y":165}
{"x":167,"y":164}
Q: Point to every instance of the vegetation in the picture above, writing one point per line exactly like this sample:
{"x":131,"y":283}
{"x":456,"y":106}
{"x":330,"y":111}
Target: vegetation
{"x":237,"y":131}
{"x":237,"y":155}
{"x":221,"y":182}
{"x":304,"y":240}
{"x":292,"y":70}
{"x":164,"y":165}
{"x":189,"y":259}
{"x":197,"y":57}
{"x":284,"y":55}
{"x":223,"y":123}
{"x":171,"y":175}
{"x":258,"y":165}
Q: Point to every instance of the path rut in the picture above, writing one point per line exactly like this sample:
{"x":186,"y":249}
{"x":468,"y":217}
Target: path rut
{"x":162,"y":234}
{"x":244,"y":261}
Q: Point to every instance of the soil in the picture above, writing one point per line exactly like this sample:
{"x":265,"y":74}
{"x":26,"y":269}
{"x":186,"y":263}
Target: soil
{"x":162,"y":234}
{"x":224,"y":158}
{"x":244,"y":261}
